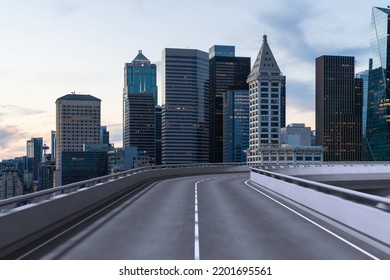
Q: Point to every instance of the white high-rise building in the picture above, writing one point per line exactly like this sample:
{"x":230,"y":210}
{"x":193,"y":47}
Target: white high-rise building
{"x":267,"y":110}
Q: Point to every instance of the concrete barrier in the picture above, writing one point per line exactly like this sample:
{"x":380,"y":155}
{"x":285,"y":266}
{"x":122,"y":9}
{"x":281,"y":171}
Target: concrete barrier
{"x":23,"y":225}
{"x":370,"y":221}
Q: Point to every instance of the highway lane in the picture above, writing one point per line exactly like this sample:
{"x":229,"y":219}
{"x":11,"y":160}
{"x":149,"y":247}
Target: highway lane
{"x":234,"y":222}
{"x":245,"y":224}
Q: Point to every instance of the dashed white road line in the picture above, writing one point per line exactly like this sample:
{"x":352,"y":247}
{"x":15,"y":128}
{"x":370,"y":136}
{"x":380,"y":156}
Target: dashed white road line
{"x":196,"y":234}
{"x":196,"y":218}
{"x":314,"y":223}
{"x":196,"y":239}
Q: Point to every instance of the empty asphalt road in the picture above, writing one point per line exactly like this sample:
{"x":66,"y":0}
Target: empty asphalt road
{"x":202,"y":217}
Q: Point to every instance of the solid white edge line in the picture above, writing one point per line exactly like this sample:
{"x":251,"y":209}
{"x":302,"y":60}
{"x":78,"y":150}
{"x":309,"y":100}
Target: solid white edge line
{"x":314,"y":223}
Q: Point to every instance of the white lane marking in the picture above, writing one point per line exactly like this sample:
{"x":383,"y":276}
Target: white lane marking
{"x":314,"y":223}
{"x":196,"y":218}
{"x":196,"y":234}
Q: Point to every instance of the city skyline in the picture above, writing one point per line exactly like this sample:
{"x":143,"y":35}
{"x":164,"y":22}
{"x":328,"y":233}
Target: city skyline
{"x":51,"y":49}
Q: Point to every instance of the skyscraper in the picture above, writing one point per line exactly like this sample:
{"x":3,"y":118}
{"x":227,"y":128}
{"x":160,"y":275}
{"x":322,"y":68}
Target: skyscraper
{"x":104,"y":135}
{"x":140,"y":122}
{"x":378,"y":103}
{"x":235,"y":125}
{"x":185,"y":128}
{"x":140,"y":76}
{"x":77,"y":123}
{"x":364,"y":76}
{"x":34,"y":156}
{"x":226,"y":73}
{"x":46,"y":173}
{"x":53,"y":145}
{"x":139,"y":102}
{"x":338,"y":108}
{"x":158,"y":134}
{"x":267,"y":103}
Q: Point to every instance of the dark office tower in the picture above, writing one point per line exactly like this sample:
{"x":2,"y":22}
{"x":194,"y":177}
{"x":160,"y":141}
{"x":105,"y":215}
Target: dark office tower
{"x":185,"y":112}
{"x":104,"y":135}
{"x":140,"y":123}
{"x":139,"y":101}
{"x":226,"y":73}
{"x":46,"y":175}
{"x":83,"y":165}
{"x":235,"y":125}
{"x":378,"y":104}
{"x":339,"y":98}
{"x":364,"y":76}
{"x":158,"y":134}
{"x":267,"y":103}
{"x":53,"y":145}
{"x":34,"y":156}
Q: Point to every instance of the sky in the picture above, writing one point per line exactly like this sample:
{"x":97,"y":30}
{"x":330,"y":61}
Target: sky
{"x":50,"y":48}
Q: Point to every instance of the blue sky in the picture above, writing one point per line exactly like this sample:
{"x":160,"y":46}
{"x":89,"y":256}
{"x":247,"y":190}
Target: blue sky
{"x":49,"y":48}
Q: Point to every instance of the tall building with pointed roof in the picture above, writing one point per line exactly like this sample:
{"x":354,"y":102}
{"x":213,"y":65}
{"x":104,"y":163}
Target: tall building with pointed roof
{"x":267,"y":103}
{"x":139,"y":102}
{"x":140,"y":77}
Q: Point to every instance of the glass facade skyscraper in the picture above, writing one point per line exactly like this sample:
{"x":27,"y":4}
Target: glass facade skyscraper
{"x":140,"y":124}
{"x":158,"y":134}
{"x":34,"y":156}
{"x":378,"y":104}
{"x":80,"y":166}
{"x":140,"y":77}
{"x":364,"y":76}
{"x":235,"y":125}
{"x":225,"y":51}
{"x":339,"y":98}
{"x":226,"y":73}
{"x":185,"y":104}
{"x":139,"y":102}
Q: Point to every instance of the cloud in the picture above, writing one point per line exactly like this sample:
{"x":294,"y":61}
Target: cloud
{"x":17,"y":125}
{"x":10,"y":111}
{"x":300,"y":96}
{"x":12,"y":141}
{"x":10,"y":134}
{"x":302,"y":31}
{"x":63,"y":8}
{"x":285,"y":30}
{"x":116,"y":133}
